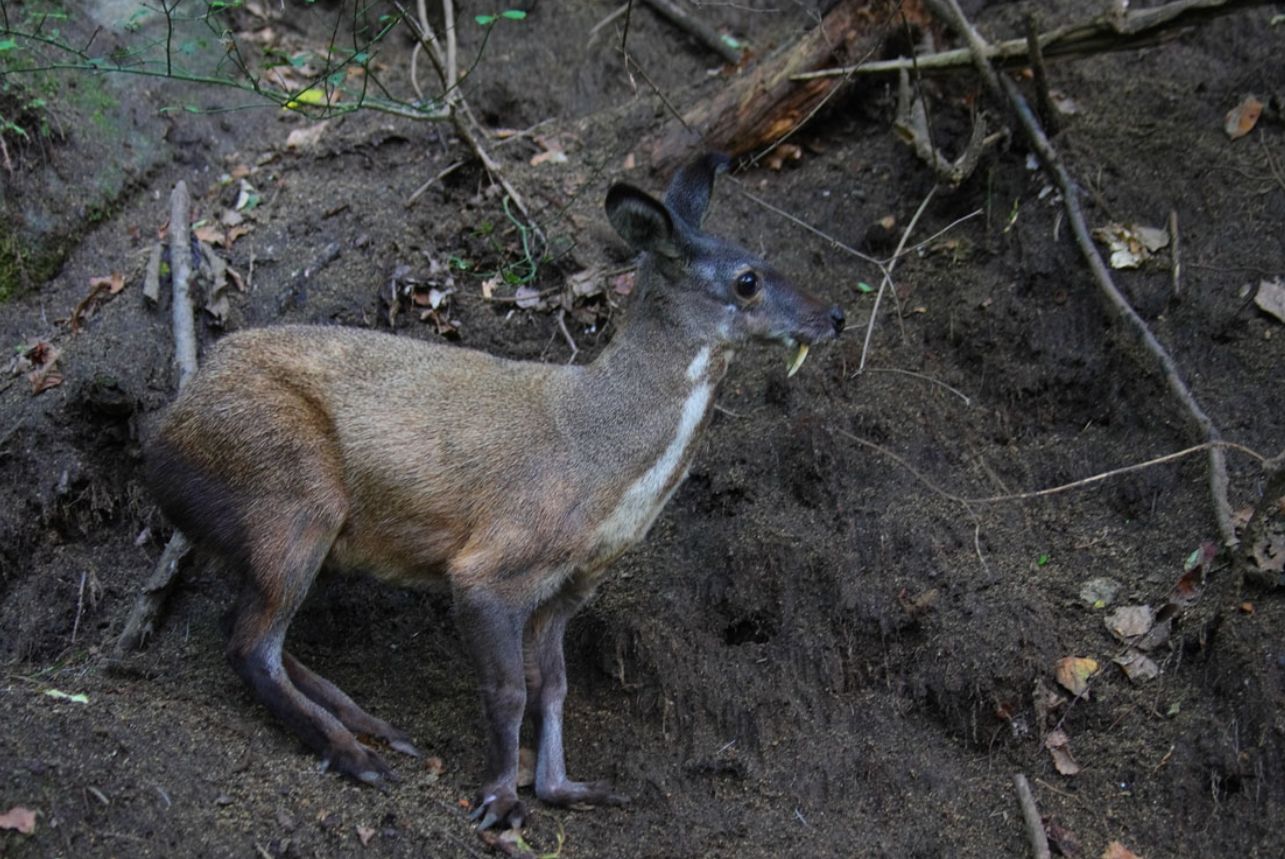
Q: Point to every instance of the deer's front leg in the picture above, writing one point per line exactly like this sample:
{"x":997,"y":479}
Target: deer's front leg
{"x":546,"y":690}
{"x":492,"y":634}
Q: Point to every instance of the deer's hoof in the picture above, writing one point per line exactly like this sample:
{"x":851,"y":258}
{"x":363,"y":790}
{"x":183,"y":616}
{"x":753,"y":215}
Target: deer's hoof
{"x":506,"y":810}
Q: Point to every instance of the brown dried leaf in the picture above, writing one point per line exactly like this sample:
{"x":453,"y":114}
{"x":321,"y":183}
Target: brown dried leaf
{"x":209,"y":233}
{"x":1061,"y":839}
{"x":1059,"y":746}
{"x":113,"y":282}
{"x":1137,"y":666}
{"x":1240,"y":120}
{"x":1130,"y":621}
{"x":306,"y":138}
{"x":1046,"y":702}
{"x":45,"y":375}
{"x":19,"y":819}
{"x":1116,"y":850}
{"x":1073,"y":673}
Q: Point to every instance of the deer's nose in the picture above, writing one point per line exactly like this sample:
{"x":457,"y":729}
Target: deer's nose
{"x":837,"y":319}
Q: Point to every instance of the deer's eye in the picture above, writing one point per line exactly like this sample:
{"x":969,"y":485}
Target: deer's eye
{"x":747,"y":286}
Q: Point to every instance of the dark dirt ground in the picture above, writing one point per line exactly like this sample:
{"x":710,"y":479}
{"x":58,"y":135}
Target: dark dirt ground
{"x":809,"y":655}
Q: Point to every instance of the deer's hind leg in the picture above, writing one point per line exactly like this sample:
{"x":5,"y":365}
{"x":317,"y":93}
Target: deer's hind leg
{"x":326,"y":694}
{"x":283,"y":560}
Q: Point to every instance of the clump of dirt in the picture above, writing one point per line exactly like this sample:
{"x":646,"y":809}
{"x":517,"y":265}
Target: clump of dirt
{"x":819,"y":649}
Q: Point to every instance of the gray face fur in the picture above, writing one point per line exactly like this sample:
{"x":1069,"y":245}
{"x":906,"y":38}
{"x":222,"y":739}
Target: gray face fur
{"x":738,"y":295}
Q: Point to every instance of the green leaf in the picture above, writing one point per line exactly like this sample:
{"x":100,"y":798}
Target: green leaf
{"x":513,"y":15}
{"x":79,"y":697}
{"x":1044,"y":559}
{"x":862,"y":286}
{"x":485,"y":20}
{"x":360,"y":59}
{"x":7,"y":45}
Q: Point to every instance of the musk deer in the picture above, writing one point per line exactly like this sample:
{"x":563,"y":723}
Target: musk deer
{"x":300,"y":447}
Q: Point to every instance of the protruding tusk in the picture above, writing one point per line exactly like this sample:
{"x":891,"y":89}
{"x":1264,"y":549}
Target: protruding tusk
{"x":796,"y":360}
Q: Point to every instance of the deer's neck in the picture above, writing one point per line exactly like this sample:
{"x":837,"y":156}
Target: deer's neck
{"x":640,"y":410}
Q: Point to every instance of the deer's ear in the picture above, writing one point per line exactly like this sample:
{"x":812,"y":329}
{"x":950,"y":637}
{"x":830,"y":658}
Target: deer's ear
{"x":641,"y":220}
{"x":690,"y":189}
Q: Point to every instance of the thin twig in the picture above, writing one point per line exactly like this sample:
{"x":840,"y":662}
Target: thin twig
{"x":962,"y":502}
{"x":1109,"y":32}
{"x":593,"y":32}
{"x":886,"y":283}
{"x":410,"y":201}
{"x":181,"y":274}
{"x":702,"y":32}
{"x":1047,"y":114}
{"x":1175,"y":251}
{"x":562,"y":325}
{"x":80,"y":606}
{"x":1031,"y":814}
{"x":150,"y":602}
{"x":448,"y":24}
{"x":1116,"y":472}
{"x":913,"y":374}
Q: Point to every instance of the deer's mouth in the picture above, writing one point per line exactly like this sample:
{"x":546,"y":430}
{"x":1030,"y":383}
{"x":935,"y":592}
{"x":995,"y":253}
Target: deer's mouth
{"x":798,"y":352}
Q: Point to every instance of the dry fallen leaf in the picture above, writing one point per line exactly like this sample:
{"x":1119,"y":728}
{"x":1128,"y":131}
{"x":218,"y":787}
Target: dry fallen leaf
{"x":306,"y":138}
{"x":1073,"y":673}
{"x":19,"y":819}
{"x":365,"y":833}
{"x":1271,"y":298}
{"x":1130,"y":621}
{"x":44,"y":356}
{"x":209,"y":233}
{"x":113,"y":282}
{"x":1240,"y":120}
{"x":1116,"y":850}
{"x":1137,"y":666}
{"x":1131,"y":245}
{"x":1059,"y":746}
{"x":1099,"y":592}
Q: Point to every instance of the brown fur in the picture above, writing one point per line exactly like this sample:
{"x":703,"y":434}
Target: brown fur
{"x":301,"y":447}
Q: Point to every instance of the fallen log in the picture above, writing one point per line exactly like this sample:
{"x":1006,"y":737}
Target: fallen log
{"x":762,"y":104}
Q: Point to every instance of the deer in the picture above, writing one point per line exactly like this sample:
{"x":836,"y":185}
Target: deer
{"x":301,"y":447}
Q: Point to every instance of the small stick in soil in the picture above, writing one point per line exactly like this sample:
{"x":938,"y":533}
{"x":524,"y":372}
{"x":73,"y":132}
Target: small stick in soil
{"x":1116,"y":472}
{"x":566,"y":335}
{"x":1031,"y":814}
{"x":80,"y":606}
{"x":702,"y":32}
{"x":410,"y":201}
{"x":181,"y":268}
{"x":1048,"y":115}
{"x":1175,"y":252}
{"x":151,"y":601}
